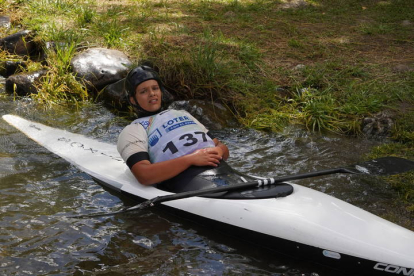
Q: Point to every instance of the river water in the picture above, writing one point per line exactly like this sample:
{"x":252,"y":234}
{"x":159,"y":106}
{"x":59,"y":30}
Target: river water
{"x":38,"y":190}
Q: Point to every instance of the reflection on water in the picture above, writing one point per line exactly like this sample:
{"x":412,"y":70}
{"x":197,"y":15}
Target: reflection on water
{"x":38,"y":191}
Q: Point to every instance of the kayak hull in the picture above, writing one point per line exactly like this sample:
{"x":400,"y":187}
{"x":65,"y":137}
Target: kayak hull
{"x":306,"y":224}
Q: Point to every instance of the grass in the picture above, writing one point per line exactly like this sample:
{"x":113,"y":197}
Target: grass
{"x":60,"y":86}
{"x":323,"y":64}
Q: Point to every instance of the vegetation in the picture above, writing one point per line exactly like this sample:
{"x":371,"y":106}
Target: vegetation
{"x":322,"y":64}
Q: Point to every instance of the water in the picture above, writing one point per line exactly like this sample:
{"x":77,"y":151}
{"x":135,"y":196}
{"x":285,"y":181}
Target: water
{"x":38,"y":190}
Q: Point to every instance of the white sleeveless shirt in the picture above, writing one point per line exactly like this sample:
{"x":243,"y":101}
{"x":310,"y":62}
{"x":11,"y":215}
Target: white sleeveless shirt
{"x":173,"y":133}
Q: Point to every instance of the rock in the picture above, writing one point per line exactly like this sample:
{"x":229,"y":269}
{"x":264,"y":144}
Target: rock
{"x":10,"y":67}
{"x":24,"y":84}
{"x":299,"y":67}
{"x":293,"y":4}
{"x":283,"y":93}
{"x":114,"y":95}
{"x":402,"y":68}
{"x":19,"y":43}
{"x":212,"y":116}
{"x":5,"y":22}
{"x":380,"y":125}
{"x":230,"y":14}
{"x":98,"y":67}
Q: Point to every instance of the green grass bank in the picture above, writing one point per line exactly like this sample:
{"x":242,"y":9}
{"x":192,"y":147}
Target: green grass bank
{"x":321,"y":64}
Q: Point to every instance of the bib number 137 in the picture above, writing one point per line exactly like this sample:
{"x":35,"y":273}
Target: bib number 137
{"x":189,"y":138}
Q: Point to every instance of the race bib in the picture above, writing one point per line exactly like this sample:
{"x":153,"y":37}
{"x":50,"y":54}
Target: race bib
{"x":173,"y":133}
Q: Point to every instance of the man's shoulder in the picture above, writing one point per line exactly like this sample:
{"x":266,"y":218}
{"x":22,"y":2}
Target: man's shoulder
{"x":132,"y":128}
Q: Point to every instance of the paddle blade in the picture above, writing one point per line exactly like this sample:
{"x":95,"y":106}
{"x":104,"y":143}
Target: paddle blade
{"x":384,"y":166}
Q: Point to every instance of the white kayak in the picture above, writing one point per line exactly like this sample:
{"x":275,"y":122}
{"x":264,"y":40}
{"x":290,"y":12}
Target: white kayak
{"x":303,"y":223}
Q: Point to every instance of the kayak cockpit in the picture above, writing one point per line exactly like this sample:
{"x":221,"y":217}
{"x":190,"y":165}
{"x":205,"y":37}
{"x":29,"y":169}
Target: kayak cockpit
{"x":198,"y":178}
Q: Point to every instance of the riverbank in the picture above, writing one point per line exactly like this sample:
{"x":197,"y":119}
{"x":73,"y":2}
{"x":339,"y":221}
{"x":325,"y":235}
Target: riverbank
{"x":339,"y":66}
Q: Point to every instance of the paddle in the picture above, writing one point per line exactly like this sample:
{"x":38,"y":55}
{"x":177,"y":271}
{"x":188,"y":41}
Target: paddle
{"x":380,"y":166}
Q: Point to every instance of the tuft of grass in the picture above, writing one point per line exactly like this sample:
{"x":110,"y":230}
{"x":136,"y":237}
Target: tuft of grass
{"x":86,"y":16}
{"x":319,"y":112}
{"x":59,"y":86}
{"x":112,"y":32}
{"x":375,"y":29}
{"x":295,"y":43}
{"x":207,"y":61}
{"x":57,"y":90}
{"x":62,"y":56}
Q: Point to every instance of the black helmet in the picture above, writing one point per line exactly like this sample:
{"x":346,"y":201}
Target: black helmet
{"x":137,"y":76}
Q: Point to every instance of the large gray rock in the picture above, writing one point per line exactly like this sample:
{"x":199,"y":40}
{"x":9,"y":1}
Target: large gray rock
{"x":98,"y":67}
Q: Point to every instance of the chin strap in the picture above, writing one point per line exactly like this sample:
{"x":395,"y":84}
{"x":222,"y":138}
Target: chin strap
{"x":140,"y":111}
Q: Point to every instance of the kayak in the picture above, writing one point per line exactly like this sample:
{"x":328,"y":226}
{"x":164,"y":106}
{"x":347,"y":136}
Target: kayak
{"x":287,"y":218}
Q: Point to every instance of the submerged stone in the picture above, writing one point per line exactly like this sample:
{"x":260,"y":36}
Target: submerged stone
{"x":114,"y":95}
{"x":10,"y":67}
{"x":24,"y":84}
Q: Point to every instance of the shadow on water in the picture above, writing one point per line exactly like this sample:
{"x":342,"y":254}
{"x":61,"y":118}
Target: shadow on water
{"x":38,"y":191}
